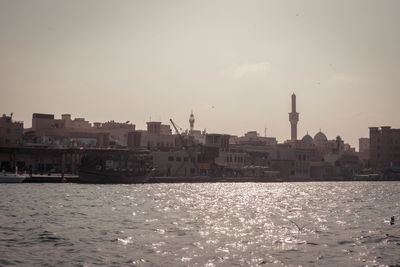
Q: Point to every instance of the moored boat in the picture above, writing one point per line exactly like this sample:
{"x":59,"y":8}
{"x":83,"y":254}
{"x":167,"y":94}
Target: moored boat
{"x":115,"y":166}
{"x":6,"y":177}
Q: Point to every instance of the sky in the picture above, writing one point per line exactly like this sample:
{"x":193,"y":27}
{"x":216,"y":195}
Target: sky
{"x":233,"y":63}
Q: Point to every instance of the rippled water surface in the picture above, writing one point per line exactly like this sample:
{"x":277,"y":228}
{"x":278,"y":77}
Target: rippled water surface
{"x":282,"y":224}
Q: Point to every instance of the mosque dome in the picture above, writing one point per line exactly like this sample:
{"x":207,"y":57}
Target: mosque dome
{"x":307,"y":139}
{"x":320,"y":137}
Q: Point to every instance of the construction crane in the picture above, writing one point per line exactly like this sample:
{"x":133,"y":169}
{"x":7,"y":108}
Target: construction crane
{"x":189,"y":150}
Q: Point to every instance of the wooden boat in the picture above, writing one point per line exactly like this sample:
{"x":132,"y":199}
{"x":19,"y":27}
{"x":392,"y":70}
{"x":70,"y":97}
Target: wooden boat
{"x":115,"y":166}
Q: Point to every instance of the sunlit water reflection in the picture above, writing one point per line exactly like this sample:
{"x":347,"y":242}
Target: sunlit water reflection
{"x":282,"y":224}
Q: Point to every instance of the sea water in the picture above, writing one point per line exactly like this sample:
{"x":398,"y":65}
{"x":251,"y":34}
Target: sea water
{"x":215,"y":224}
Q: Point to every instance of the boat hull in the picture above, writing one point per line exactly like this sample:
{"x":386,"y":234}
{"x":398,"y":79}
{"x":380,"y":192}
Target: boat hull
{"x":11,"y":178}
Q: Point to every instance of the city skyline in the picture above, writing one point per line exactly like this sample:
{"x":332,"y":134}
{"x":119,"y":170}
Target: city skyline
{"x":234,"y":64}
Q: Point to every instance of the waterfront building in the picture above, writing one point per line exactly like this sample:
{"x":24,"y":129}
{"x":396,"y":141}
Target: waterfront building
{"x":177,"y":163}
{"x":67,"y":132}
{"x":117,"y":131}
{"x":363,"y":150}
{"x":291,"y":161}
{"x":158,"y":136}
{"x":11,"y":132}
{"x":384,"y":148}
{"x":232,"y":161}
{"x":363,"y":145}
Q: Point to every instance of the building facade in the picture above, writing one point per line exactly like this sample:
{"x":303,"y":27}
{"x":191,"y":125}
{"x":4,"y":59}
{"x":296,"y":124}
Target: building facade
{"x":11,"y":132}
{"x":384,"y":148}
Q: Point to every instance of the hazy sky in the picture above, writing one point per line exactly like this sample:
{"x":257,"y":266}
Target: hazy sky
{"x":234,"y":63}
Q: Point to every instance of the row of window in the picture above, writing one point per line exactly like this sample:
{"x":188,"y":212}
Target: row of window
{"x":178,"y":159}
{"x":389,"y":141}
{"x":152,"y":144}
{"x":302,"y":157}
{"x":234,"y":159}
{"x":16,"y":131}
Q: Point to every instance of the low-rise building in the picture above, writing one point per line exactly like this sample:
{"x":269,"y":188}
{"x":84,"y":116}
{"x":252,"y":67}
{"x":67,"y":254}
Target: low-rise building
{"x":175,"y":163}
{"x":65,"y":132}
{"x":11,"y":132}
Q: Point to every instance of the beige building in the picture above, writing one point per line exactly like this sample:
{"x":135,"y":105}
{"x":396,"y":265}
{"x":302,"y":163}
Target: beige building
{"x":290,"y":161}
{"x":175,"y":163}
{"x":157,"y":137}
{"x":67,"y":132}
{"x":253,"y":138}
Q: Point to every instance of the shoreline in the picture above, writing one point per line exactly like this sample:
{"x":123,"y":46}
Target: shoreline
{"x":203,"y":179}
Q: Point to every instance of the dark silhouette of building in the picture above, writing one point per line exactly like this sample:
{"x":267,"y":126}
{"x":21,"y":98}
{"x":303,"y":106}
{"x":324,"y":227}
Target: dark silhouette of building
{"x":11,"y":132}
{"x":384,"y":148}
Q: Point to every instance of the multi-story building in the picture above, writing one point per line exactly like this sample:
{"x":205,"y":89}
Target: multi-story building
{"x":290,"y":161}
{"x":384,"y":148}
{"x":65,"y":132}
{"x":11,"y":132}
{"x":157,"y":137}
{"x":363,"y":151}
{"x":363,"y":145}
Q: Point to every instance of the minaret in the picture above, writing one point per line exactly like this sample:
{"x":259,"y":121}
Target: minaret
{"x":293,"y":118}
{"x":191,"y":121}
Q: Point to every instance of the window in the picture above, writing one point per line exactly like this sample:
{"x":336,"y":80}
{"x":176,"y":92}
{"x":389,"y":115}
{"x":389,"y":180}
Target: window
{"x":170,"y":158}
{"x":178,"y":158}
{"x":185,"y":159}
{"x":17,"y":131}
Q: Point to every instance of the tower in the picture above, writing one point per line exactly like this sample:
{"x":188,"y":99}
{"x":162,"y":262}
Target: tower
{"x":191,"y":121}
{"x":293,"y":118}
